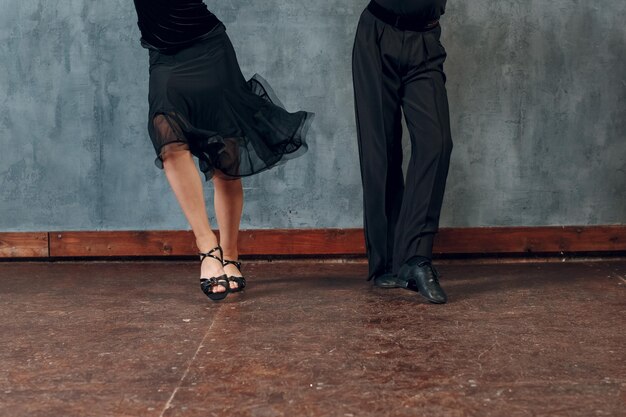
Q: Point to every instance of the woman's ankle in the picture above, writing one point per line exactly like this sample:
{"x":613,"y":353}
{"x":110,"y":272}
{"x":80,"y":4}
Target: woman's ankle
{"x":230,"y":254}
{"x":206,"y":243}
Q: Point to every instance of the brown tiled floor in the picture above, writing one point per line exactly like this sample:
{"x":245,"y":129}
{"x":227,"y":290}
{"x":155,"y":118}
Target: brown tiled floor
{"x":311,"y":339}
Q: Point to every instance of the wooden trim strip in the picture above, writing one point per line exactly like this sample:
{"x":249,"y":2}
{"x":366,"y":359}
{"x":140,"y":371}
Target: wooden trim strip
{"x":23,"y":245}
{"x":528,"y":240}
{"x":121,"y":243}
{"x":314,"y":242}
{"x":167,"y":243}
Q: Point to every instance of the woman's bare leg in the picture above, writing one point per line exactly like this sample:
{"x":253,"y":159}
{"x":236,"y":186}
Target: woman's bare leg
{"x":228,"y":207}
{"x":184,"y":178}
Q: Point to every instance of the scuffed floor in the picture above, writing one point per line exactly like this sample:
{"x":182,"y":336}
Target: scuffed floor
{"x":311,"y":339}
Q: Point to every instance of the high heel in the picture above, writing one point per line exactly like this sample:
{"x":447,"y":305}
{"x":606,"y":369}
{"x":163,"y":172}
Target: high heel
{"x":241,"y":281}
{"x":208,"y":285}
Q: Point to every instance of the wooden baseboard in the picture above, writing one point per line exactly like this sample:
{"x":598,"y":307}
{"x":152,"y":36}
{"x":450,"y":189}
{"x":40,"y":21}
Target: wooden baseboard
{"x":24,"y":245}
{"x":295,"y":242}
{"x":313,"y":242}
{"x":527,"y":240}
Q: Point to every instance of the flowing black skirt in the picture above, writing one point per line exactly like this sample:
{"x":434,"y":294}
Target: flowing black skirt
{"x":200,"y":100}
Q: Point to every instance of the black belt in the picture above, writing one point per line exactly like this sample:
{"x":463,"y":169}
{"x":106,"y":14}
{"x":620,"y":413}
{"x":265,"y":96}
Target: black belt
{"x":401,"y":22}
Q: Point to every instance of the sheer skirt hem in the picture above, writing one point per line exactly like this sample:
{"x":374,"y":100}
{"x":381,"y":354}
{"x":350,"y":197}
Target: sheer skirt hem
{"x":253,"y":133}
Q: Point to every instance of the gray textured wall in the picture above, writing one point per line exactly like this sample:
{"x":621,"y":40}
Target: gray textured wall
{"x":537,"y":91}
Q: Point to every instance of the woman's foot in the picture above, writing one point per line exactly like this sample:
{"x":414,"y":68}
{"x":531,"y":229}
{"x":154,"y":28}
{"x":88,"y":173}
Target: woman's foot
{"x":211,"y":268}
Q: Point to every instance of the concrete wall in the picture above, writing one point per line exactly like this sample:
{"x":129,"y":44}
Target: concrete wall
{"x":537,"y":92}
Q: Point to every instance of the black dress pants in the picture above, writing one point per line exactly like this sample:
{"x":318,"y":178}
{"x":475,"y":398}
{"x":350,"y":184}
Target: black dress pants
{"x":395,"y":72}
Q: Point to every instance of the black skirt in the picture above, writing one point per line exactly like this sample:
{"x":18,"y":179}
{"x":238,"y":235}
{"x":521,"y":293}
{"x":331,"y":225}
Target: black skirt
{"x":236,"y":128}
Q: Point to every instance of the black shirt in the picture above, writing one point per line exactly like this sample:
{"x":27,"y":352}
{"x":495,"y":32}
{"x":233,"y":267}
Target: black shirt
{"x":171,"y":25}
{"x":421,"y":9}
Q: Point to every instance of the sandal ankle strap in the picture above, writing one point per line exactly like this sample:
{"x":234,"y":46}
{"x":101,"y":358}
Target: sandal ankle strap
{"x":210,"y":253}
{"x":236,"y":263}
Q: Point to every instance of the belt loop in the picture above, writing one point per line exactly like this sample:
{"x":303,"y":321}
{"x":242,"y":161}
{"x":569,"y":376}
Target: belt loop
{"x":397,"y":24}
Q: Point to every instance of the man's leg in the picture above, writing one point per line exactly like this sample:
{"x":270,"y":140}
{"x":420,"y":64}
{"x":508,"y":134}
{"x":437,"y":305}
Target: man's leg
{"x":379,"y":132}
{"x":425,"y":105}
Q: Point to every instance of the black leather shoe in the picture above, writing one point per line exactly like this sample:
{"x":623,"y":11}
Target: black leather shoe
{"x":424,"y":279}
{"x":389,"y":281}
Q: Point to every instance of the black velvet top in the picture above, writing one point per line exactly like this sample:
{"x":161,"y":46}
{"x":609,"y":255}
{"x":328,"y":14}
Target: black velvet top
{"x":422,"y":9}
{"x":172,"y":25}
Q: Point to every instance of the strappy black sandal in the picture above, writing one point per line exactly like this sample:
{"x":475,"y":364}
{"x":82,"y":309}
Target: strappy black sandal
{"x":208,"y":285}
{"x":241,"y":281}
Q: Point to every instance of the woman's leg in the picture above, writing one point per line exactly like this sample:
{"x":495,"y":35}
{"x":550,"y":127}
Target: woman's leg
{"x":184,"y":178}
{"x":228,"y":207}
